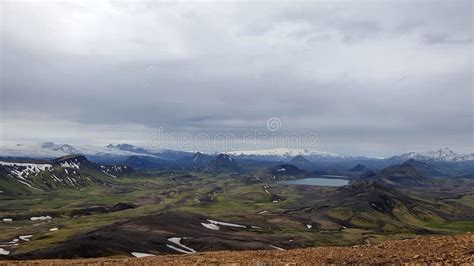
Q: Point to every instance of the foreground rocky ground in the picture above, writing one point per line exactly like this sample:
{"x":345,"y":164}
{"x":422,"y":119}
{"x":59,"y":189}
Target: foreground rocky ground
{"x":456,"y":249}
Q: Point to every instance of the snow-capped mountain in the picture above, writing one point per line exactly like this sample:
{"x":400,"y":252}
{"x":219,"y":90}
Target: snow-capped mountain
{"x":284,"y":153}
{"x":463,"y":158}
{"x":99,"y":153}
{"x":53,"y":150}
{"x":67,"y":171}
{"x":442,"y":155}
{"x":64,"y":148}
{"x":21,"y":171}
{"x":33,"y":150}
{"x":126,"y":147}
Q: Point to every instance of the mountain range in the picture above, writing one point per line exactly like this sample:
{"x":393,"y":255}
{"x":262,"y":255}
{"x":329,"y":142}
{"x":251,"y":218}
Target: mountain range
{"x":174,"y":202}
{"x":20,"y":176}
{"x":442,"y":155}
{"x":111,"y":151}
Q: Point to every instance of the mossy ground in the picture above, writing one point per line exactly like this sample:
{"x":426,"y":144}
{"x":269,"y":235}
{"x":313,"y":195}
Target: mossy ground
{"x":220,"y":197}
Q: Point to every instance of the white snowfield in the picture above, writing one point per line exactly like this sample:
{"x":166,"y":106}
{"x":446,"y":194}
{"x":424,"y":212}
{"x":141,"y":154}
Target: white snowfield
{"x":284,"y":152}
{"x":25,"y":238}
{"x":266,"y":189}
{"x":7,"y":220}
{"x":445,"y":155}
{"x":278,"y":248}
{"x":465,"y":157}
{"x":4,"y":252}
{"x":41,"y":218}
{"x":226,"y":224}
{"x":37,"y":150}
{"x":54,"y":229}
{"x":181,"y":248}
{"x":214,"y":225}
{"x":141,"y":255}
{"x":210,"y":226}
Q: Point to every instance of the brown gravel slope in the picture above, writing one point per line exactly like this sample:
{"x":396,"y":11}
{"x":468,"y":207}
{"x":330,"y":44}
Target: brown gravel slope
{"x":454,"y":249}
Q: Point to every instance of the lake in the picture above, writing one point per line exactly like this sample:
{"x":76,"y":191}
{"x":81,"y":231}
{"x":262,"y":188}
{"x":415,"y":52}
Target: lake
{"x":316,"y":181}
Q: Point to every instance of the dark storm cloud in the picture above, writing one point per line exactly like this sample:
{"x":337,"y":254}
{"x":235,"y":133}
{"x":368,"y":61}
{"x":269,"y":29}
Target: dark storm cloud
{"x":362,"y":75}
{"x":442,"y":38}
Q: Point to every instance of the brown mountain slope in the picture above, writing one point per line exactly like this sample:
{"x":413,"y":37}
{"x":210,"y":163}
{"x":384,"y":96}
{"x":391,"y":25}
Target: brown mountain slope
{"x":448,"y":249}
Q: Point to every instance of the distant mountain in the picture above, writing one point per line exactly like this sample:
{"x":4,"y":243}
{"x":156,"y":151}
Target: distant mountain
{"x":423,"y":168}
{"x":127,"y":147}
{"x":46,"y":145}
{"x":54,"y":150}
{"x":223,"y":162}
{"x":284,"y":153}
{"x":301,"y":162}
{"x":172,"y":154}
{"x":197,"y":160}
{"x":440,"y":155}
{"x":465,"y":158}
{"x":283,"y":172}
{"x":65,"y":148}
{"x":200,"y":158}
{"x":405,"y":174}
{"x":359,"y":168}
{"x":110,"y":153}
{"x":148,"y":162}
{"x":73,"y":161}
{"x":81,"y":162}
{"x":116,"y":153}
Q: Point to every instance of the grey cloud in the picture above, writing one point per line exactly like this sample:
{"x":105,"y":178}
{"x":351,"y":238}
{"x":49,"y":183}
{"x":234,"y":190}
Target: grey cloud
{"x":358,"y":30}
{"x":441,"y":38}
{"x":363,"y":72}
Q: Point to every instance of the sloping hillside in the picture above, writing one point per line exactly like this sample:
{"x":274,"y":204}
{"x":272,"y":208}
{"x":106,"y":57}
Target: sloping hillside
{"x":72,"y":171}
{"x":442,"y":249}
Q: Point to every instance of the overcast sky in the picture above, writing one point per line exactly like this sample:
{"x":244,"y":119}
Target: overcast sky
{"x":368,"y":77}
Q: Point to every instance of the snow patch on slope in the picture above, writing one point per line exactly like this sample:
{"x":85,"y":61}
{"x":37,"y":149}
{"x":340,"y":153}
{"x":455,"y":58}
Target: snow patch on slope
{"x":182,"y":248}
{"x":141,"y":255}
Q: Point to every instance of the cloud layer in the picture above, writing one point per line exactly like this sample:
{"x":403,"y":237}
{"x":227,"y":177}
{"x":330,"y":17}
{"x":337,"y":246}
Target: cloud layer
{"x":367,"y":77}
